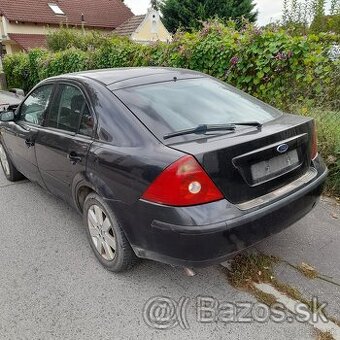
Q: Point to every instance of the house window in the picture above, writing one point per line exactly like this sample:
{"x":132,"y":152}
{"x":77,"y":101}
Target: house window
{"x":56,"y":9}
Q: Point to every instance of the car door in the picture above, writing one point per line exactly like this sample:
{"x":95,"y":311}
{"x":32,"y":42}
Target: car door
{"x":20,"y":137}
{"x":63,"y":143}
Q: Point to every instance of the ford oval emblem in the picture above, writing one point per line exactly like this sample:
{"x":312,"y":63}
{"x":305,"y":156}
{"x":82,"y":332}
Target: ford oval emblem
{"x":282,"y":148}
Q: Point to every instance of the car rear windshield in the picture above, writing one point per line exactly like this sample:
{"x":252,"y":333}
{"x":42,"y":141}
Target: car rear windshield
{"x":184,"y":104}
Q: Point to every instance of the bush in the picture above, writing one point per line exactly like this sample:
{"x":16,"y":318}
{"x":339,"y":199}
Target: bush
{"x":270,"y":63}
{"x":328,"y":127}
{"x":280,"y":68}
{"x":326,"y":23}
{"x":17,"y":70}
{"x":66,"y":38}
{"x":68,"y":61}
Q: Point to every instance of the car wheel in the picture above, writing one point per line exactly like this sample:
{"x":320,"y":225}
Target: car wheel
{"x":106,"y":237}
{"x":10,"y":171}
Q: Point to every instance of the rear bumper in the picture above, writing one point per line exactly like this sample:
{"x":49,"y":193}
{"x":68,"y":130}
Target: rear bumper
{"x":211,"y":233}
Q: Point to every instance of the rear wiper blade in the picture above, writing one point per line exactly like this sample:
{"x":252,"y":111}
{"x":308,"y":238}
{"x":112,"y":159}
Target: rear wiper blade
{"x":202,"y":129}
{"x":256,"y":124}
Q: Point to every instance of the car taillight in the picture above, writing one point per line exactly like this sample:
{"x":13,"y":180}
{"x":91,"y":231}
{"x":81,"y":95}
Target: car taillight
{"x":183,"y":183}
{"x":314,"y":152}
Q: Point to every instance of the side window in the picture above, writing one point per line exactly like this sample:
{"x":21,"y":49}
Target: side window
{"x":70,"y":112}
{"x":87,"y":123}
{"x":34,"y":107}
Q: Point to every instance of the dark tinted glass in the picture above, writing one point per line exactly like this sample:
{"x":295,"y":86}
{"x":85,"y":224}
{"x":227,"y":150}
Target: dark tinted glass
{"x":173,"y":106}
{"x":67,"y":110}
{"x":86,"y":124}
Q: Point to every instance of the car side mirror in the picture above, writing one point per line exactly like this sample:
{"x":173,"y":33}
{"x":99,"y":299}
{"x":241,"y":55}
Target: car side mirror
{"x":7,"y":116}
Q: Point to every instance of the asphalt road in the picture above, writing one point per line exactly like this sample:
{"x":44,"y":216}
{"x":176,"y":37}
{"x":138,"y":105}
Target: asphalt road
{"x":52,"y":287}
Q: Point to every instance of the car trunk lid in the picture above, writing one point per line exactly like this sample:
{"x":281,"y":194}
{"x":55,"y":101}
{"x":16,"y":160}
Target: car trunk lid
{"x":251,"y":163}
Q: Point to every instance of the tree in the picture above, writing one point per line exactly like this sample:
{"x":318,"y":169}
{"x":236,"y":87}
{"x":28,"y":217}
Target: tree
{"x":189,"y":14}
{"x":335,"y":7}
{"x":299,"y":13}
{"x":326,"y":23}
{"x":305,"y":16}
{"x":155,"y":4}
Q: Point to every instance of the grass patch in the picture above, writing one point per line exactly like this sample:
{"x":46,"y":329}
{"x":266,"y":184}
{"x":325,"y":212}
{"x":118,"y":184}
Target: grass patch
{"x":290,"y":291}
{"x":247,"y":269}
{"x":308,"y":271}
{"x":263,"y":297}
{"x":324,"y":335}
{"x":337,"y":322}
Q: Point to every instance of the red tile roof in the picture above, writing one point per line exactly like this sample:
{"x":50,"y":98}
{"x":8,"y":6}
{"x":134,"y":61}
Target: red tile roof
{"x":28,"y":41}
{"x":97,"y":13}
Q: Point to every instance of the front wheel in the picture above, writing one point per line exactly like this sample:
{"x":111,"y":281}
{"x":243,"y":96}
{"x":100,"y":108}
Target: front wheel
{"x":10,"y":171}
{"x":106,"y":237}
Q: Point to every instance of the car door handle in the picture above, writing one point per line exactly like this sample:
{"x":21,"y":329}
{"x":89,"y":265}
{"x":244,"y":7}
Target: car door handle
{"x":29,"y":142}
{"x":74,"y":158}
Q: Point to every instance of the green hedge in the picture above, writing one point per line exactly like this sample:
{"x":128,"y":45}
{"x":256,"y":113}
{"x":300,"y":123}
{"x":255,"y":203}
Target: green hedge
{"x":271,"y":65}
{"x":283,"y":70}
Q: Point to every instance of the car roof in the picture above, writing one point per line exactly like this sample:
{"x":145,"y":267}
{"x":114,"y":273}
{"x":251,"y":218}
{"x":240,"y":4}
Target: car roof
{"x":123,"y":77}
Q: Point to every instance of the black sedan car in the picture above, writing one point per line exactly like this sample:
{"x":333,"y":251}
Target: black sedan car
{"x":164,"y":164}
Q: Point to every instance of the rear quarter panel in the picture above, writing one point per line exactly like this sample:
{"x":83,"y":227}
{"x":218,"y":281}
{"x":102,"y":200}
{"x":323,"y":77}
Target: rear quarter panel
{"x":124,"y":173}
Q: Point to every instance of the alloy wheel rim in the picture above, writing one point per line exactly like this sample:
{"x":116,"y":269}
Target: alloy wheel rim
{"x":4,"y":160}
{"x":102,"y":233}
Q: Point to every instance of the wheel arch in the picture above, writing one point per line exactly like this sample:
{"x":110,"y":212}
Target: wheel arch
{"x":84,"y":185}
{"x":81,"y":188}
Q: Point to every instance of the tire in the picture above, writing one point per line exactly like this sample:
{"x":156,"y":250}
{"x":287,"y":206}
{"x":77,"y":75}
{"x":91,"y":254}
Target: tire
{"x":106,"y":236}
{"x":10,"y":171}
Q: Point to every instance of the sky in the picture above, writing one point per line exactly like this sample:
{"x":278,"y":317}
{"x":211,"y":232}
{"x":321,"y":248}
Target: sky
{"x":269,"y":10}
